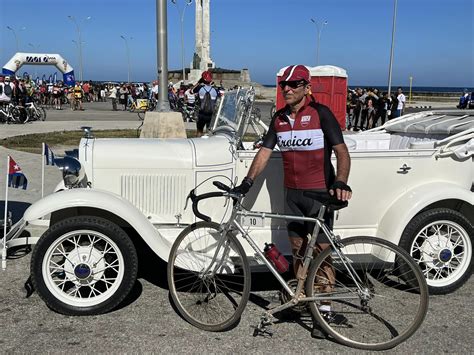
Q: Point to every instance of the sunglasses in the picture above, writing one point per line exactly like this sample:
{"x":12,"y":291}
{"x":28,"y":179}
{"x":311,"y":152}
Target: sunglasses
{"x":292,"y":84}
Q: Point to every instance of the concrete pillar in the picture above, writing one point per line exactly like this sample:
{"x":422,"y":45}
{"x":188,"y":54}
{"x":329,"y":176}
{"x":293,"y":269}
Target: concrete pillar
{"x":206,"y":29}
{"x":198,"y":28}
{"x":163,"y":125}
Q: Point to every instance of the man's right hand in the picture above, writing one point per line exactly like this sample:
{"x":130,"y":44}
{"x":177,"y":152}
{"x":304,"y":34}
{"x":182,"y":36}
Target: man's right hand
{"x":244,"y":187}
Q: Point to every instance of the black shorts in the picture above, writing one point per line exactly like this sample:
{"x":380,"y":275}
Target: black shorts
{"x":203,"y":121}
{"x":298,"y":204}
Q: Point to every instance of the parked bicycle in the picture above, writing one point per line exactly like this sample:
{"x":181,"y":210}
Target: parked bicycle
{"x":10,"y":113}
{"x":377,"y":293}
{"x":35,"y":112}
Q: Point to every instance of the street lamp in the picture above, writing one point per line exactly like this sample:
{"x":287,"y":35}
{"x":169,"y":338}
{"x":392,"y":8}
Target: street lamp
{"x":319,"y":27}
{"x":73,"y":19}
{"x":16,"y":37}
{"x":392,"y":48}
{"x":128,"y":54}
{"x":181,"y":12}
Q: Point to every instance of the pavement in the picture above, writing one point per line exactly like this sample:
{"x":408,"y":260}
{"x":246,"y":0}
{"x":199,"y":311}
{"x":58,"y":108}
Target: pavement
{"x":146,"y":322}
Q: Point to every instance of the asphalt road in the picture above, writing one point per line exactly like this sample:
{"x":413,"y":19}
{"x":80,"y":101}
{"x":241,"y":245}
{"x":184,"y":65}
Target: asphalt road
{"x":146,"y":322}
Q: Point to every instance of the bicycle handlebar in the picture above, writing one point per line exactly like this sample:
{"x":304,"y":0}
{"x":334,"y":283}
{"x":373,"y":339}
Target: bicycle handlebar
{"x":195,"y":199}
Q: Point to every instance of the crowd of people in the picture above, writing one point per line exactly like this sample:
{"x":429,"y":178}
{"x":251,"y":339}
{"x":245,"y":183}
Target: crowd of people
{"x":369,"y":108}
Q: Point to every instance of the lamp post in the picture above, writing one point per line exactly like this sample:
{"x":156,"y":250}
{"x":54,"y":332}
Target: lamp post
{"x":128,"y":54}
{"x":73,"y":19}
{"x":392,"y":48}
{"x":15,"y":35}
{"x":35,"y":48}
{"x":319,"y":27}
{"x":181,"y":12}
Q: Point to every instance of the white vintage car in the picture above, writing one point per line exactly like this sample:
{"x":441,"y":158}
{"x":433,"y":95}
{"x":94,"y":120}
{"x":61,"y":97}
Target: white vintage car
{"x":412,"y":181}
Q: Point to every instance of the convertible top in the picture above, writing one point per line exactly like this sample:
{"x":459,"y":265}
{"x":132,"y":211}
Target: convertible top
{"x":446,"y":122}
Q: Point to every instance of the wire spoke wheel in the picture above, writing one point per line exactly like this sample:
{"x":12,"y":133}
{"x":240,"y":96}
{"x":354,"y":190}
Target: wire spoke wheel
{"x":83,"y":267}
{"x":440,"y":241}
{"x":382,"y":308}
{"x":208,"y":277}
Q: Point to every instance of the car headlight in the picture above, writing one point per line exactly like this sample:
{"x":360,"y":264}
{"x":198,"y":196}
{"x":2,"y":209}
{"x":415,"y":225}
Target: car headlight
{"x":73,"y":173}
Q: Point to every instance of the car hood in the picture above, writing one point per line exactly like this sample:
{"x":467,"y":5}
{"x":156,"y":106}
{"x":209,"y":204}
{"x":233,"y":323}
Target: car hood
{"x":144,"y":153}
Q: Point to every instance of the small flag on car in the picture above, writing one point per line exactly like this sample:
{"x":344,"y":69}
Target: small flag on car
{"x":16,"y":178}
{"x":48,"y":155}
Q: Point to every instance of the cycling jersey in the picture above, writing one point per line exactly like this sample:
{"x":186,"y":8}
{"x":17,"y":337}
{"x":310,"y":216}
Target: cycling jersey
{"x":77,"y":92}
{"x":305,"y":144}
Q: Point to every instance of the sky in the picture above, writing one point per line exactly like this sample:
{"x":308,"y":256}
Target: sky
{"x":434,"y":39}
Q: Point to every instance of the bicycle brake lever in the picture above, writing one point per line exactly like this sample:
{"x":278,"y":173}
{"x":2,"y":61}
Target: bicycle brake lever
{"x":189,"y":197}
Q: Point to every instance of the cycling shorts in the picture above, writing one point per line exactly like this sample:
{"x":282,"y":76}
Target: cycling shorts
{"x":298,"y":204}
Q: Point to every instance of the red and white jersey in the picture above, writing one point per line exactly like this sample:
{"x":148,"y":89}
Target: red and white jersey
{"x":306,"y":145}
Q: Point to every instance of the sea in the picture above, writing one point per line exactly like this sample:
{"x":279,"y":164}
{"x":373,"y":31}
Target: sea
{"x":435,"y":89}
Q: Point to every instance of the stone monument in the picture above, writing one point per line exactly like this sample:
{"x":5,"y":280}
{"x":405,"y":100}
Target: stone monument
{"x":202,"y":54}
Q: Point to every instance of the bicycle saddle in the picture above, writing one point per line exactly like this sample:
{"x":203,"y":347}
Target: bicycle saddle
{"x":331,"y":202}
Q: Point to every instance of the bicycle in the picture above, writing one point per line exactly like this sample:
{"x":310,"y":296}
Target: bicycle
{"x":373,"y":287}
{"x":10,"y":113}
{"x":34,"y":112}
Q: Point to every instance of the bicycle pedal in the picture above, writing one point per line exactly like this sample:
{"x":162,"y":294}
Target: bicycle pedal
{"x":262,"y":330}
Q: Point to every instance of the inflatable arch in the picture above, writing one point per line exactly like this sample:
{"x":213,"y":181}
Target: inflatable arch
{"x":19,"y":59}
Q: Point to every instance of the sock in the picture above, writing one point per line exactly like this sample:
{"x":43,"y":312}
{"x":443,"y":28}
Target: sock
{"x":325,"y":308}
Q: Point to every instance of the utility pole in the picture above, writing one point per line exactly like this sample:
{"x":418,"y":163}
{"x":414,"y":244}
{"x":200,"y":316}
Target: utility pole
{"x":392,"y":47}
{"x":162,"y":46}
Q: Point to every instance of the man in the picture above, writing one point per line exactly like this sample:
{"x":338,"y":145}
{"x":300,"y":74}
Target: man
{"x":113,"y":97}
{"x":401,"y":103}
{"x":78,"y":95}
{"x":306,"y":133}
{"x":208,"y":96}
{"x":6,"y":90}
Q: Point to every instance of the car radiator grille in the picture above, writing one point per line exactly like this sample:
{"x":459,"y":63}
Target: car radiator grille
{"x":160,"y":194}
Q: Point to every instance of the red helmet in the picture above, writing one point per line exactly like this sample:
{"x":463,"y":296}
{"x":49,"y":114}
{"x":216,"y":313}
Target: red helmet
{"x":207,"y":76}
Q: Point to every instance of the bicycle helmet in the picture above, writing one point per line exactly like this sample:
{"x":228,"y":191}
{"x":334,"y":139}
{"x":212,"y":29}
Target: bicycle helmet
{"x":206,"y":76}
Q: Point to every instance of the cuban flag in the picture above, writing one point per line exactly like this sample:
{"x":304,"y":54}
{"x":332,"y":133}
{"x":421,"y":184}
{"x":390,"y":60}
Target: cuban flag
{"x":37,"y":81}
{"x":55,"y":77}
{"x":43,"y":80}
{"x":50,"y":79}
{"x":16,"y":178}
{"x":48,"y":155}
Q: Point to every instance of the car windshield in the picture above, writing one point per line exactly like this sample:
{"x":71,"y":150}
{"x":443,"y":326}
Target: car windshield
{"x":234,"y":112}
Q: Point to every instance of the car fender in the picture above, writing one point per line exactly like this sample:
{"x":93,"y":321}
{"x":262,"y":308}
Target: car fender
{"x":103,"y":200}
{"x":401,"y":211}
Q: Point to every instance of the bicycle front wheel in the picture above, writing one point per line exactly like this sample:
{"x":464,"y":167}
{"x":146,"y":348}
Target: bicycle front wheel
{"x":208,"y":277}
{"x":379,"y":303}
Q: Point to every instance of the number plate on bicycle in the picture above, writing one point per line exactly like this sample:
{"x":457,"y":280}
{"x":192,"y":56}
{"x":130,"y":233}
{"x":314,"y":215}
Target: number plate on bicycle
{"x":252,"y":221}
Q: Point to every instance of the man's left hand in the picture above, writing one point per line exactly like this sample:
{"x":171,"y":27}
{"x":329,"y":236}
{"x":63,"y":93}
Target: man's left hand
{"x":342,"y":190}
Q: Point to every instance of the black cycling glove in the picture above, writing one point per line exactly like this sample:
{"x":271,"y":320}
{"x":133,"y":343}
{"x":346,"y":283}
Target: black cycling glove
{"x":244,"y":187}
{"x":340,"y":185}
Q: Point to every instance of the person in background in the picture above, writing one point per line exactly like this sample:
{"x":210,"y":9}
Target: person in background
{"x":78,"y":96}
{"x":401,"y":103}
{"x":57,"y":93}
{"x":154,"y":90}
{"x":208,"y":96}
{"x":113,"y":97}
{"x":393,"y":106}
{"x":123,"y":96}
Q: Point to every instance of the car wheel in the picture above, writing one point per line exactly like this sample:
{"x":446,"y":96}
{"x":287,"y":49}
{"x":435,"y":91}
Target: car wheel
{"x":440,"y":241}
{"x":83,"y":266}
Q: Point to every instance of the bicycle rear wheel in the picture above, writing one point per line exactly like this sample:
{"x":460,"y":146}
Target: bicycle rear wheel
{"x":41,"y":113}
{"x":208,"y":277}
{"x":390,"y":304}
